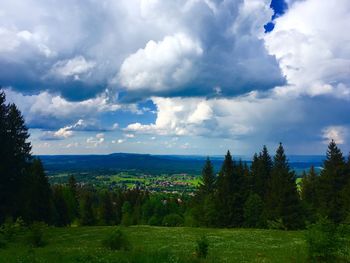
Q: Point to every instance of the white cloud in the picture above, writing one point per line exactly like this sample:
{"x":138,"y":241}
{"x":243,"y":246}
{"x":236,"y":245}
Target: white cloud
{"x":74,"y":67}
{"x":235,"y":117}
{"x":129,"y":135}
{"x":336,"y":133}
{"x":161,"y":65}
{"x":45,"y":106}
{"x":312,"y":47}
{"x":95,"y":141}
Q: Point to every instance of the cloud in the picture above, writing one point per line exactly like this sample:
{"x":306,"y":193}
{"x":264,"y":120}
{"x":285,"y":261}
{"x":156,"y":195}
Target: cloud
{"x":336,"y":133}
{"x":72,"y":67}
{"x":161,"y":65}
{"x":46,"y":110}
{"x":95,"y":141}
{"x":312,"y":49}
{"x":165,"y":53}
{"x":68,"y":131}
{"x":235,"y":117}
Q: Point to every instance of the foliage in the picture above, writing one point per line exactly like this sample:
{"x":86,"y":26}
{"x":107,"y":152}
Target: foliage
{"x":253,"y":211}
{"x":173,"y":220}
{"x":36,"y":234}
{"x":117,"y":240}
{"x":202,"y":247}
{"x":327,"y":242}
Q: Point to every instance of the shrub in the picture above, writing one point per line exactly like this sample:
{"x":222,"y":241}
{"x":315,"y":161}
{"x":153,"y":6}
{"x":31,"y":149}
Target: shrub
{"x":36,"y":234}
{"x":202,"y":247}
{"x":117,"y":240}
{"x":8,"y":230}
{"x":154,"y":221}
{"x":326,"y":242}
{"x":276,"y":224}
{"x":3,"y":242}
{"x":173,"y":220}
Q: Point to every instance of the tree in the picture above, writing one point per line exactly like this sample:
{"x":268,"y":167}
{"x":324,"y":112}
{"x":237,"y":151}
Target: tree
{"x":253,"y":211}
{"x":15,"y":154}
{"x":309,"y":192}
{"x":332,"y":181}
{"x":73,"y":197}
{"x":261,"y":169}
{"x":38,"y":194}
{"x":61,"y":211}
{"x":87,"y":213}
{"x":208,"y":179}
{"x":229,"y":196}
{"x":107,"y":215}
{"x":283,"y":198}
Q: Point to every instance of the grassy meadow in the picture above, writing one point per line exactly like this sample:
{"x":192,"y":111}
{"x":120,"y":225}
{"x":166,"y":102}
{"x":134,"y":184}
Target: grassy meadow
{"x":160,"y":244}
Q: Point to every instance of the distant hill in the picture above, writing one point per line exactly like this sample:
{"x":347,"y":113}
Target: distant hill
{"x":153,"y":164}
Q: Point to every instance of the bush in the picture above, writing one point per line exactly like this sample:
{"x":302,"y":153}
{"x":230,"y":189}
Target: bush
{"x":36,"y":234}
{"x":3,"y":242}
{"x":276,"y":224}
{"x":173,"y":220}
{"x":202,"y":247}
{"x":117,"y":240}
{"x":326,"y":242}
{"x":154,"y":221}
{"x":8,"y":230}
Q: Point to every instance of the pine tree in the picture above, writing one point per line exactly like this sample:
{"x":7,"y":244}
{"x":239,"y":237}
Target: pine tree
{"x":230,"y":195}
{"x":38,"y":196}
{"x":309,"y":191}
{"x":15,"y":159}
{"x":87,"y":213}
{"x":283,"y":198}
{"x":332,"y":181}
{"x":74,"y":202}
{"x":203,"y":203}
{"x":208,"y":179}
{"x":106,"y":209}
{"x":61,"y":209}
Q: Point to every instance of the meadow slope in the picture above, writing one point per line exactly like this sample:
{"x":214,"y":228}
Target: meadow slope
{"x":160,"y":244}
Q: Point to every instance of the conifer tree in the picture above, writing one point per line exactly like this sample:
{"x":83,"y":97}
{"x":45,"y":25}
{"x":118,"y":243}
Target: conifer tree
{"x":309,"y":191}
{"x":332,"y":181}
{"x":208,"y":179}
{"x":283,"y":198}
{"x":106,"y":209}
{"x":87,"y":213}
{"x":38,"y":196}
{"x":15,"y":154}
{"x":204,"y":206}
{"x":74,"y":202}
{"x":229,"y":197}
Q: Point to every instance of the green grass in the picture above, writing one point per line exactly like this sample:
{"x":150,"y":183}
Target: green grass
{"x":161,"y":244}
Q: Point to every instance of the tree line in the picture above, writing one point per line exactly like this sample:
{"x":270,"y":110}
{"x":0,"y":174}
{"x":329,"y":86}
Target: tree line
{"x":262,"y":195}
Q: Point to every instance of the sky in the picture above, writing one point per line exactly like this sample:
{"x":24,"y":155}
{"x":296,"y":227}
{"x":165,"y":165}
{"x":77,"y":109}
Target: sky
{"x":178,"y":76}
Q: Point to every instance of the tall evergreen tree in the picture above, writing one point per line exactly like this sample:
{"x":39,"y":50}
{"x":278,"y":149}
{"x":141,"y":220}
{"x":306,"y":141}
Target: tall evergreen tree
{"x":87,"y":213}
{"x":332,"y":181}
{"x":74,"y":202}
{"x":61,"y":209}
{"x":230,"y":196}
{"x":309,"y":194}
{"x":15,"y":158}
{"x":208,"y":179}
{"x":38,"y":196}
{"x":107,"y":214}
{"x":204,"y":205}
{"x":283,"y":198}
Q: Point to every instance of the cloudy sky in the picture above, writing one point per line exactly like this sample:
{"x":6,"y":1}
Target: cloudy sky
{"x":178,"y":76}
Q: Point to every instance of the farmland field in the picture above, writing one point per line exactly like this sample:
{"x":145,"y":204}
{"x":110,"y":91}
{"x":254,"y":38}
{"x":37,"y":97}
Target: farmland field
{"x":160,"y":244}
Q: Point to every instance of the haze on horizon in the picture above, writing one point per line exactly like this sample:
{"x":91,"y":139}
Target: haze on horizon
{"x":178,"y":76}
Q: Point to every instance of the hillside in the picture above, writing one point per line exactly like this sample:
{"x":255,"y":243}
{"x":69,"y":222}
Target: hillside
{"x":161,"y":244}
{"x":152,"y":164}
